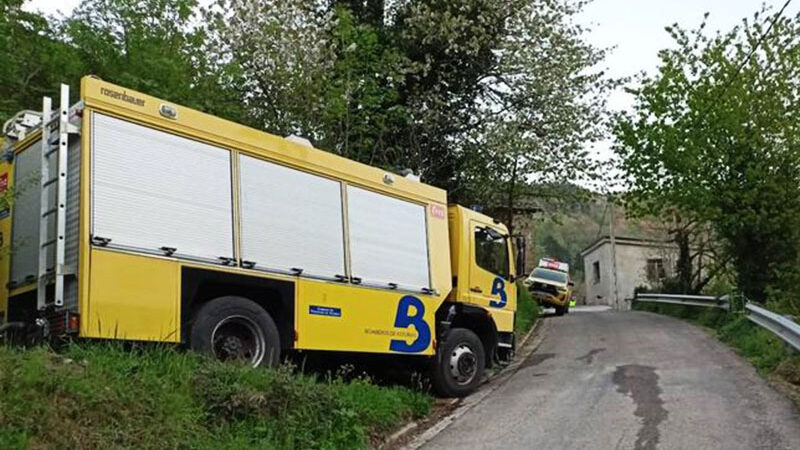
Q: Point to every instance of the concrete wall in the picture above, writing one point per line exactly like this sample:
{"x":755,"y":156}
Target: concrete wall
{"x":631,"y":271}
{"x":598,"y":292}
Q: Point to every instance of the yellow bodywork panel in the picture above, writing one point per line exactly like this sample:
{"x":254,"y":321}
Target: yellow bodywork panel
{"x":141,"y":295}
{"x":550,"y":299}
{"x":132,"y":297}
{"x":6,"y":180}
{"x":475,"y":284}
{"x":341,"y":317}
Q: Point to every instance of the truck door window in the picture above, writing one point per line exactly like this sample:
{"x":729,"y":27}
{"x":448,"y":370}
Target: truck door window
{"x":491,"y":251}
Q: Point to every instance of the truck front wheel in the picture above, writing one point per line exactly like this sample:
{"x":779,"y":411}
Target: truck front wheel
{"x":458,"y":367}
{"x":236,"y":329}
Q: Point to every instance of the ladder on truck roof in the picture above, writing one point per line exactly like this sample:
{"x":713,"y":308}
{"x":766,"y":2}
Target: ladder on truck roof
{"x":55,"y":140}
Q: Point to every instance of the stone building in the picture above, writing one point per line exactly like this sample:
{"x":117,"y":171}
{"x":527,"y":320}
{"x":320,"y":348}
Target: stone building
{"x":639,"y":262}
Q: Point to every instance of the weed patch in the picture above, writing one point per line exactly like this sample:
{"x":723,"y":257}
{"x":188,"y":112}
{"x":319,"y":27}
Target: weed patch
{"x":527,"y":311}
{"x":101,"y":396}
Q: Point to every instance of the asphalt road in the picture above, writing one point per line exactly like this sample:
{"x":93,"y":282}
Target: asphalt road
{"x":632,"y":380}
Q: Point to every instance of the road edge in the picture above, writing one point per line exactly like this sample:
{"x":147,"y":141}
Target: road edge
{"x":528,"y":345}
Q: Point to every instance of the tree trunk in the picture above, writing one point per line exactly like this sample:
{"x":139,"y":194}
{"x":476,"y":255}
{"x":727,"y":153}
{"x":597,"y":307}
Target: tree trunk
{"x":510,"y":200}
{"x":684,"y":265}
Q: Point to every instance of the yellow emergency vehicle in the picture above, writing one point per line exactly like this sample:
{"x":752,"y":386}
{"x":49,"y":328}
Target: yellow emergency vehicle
{"x":135,"y":218}
{"x":550,"y":285}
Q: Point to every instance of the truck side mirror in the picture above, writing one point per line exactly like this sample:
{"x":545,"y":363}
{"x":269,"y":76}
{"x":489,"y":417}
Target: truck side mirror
{"x":571,"y":284}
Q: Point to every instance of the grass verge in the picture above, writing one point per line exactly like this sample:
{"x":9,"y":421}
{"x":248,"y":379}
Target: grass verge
{"x":527,"y":311}
{"x":112,"y":395}
{"x":95,"y":396}
{"x":768,"y":353}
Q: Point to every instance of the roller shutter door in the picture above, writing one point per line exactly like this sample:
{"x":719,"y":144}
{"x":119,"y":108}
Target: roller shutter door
{"x":290,"y":219}
{"x":152,"y":189}
{"x":388,"y":240}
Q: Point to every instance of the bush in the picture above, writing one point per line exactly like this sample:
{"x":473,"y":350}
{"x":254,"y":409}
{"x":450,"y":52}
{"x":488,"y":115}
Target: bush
{"x":763,"y":349}
{"x":527,"y":311}
{"x":110,"y":396}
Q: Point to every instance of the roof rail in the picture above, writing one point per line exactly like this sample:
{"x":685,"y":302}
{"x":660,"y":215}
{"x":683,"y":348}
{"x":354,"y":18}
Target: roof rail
{"x":18,"y":126}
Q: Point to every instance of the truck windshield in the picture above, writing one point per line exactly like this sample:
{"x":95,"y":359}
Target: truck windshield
{"x":550,"y":275}
{"x":491,"y":251}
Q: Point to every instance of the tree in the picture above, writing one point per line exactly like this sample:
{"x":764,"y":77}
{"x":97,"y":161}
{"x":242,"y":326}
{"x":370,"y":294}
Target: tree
{"x":714,"y":136}
{"x":284,"y":56}
{"x":33,"y":60}
{"x":362,"y":108}
{"x":151,"y":46}
{"x":700,"y":258}
{"x":547,"y":102}
{"x":469,"y":94}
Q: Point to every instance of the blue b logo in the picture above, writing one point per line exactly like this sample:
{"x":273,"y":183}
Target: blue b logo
{"x":403,"y":320}
{"x":499,"y":287}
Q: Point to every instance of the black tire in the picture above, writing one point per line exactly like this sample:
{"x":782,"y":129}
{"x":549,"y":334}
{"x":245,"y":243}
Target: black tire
{"x":561,"y":310}
{"x":466,"y":347}
{"x":235,"y":328}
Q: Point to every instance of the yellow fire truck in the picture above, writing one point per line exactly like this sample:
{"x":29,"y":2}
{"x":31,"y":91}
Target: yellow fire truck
{"x":135,"y":218}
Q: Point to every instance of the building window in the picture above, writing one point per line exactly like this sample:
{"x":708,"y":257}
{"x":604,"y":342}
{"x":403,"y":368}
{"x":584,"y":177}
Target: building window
{"x":655,"y":269}
{"x":596,"y":271}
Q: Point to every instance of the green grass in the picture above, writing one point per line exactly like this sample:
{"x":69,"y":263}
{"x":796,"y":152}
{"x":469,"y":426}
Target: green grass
{"x":116,"y":396}
{"x":768,"y":353}
{"x":527,"y":311}
{"x":108,"y":396}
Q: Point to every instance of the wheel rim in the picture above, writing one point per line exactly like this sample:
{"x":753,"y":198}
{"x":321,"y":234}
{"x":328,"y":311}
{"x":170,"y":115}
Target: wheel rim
{"x":238,"y":338}
{"x":463,"y":364}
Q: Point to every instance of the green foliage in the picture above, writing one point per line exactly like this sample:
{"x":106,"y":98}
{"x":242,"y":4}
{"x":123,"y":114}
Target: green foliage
{"x":714,"y":136}
{"x":442,"y":87}
{"x":278,"y":60}
{"x":759,"y":346}
{"x":527,"y":311}
{"x":362,"y":111}
{"x":547,"y":97}
{"x":151,"y":46}
{"x":784,"y":295}
{"x":33,"y":60}
{"x":108,"y":396}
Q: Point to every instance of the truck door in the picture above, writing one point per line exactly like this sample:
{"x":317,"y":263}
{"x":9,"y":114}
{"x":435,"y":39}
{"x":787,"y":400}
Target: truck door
{"x":490,"y":270}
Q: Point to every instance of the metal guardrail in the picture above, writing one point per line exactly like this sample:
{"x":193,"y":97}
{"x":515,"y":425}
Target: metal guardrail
{"x":688,"y":300}
{"x":782,"y":327}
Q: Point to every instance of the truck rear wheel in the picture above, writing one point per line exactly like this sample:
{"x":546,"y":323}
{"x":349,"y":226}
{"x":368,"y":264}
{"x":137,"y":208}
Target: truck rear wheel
{"x":236,"y":329}
{"x":458,"y":367}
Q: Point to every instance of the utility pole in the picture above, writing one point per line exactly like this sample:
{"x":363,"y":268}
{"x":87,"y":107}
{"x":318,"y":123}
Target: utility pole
{"x":612,"y":235}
